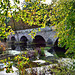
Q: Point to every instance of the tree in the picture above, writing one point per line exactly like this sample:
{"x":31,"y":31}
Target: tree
{"x":60,"y":14}
{"x":63,"y":19}
{"x":5,"y":13}
{"x":33,"y":13}
{"x":8,"y":11}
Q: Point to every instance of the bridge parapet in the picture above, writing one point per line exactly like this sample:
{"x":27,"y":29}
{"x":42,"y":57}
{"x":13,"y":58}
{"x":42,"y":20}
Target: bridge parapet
{"x":46,"y":33}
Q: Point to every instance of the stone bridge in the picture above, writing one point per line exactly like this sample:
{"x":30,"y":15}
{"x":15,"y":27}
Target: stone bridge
{"x":43,"y":38}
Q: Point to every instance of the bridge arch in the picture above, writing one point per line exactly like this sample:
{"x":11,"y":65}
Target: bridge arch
{"x":23,"y":42}
{"x":60,"y":51}
{"x":4,"y":40}
{"x":39,"y":41}
{"x":13,"y":39}
{"x":56,"y":42}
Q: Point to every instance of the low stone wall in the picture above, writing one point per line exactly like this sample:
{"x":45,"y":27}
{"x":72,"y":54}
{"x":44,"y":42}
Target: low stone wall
{"x":40,"y":70}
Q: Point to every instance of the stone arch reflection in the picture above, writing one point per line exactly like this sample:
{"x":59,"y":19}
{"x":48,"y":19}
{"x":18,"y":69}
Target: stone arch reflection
{"x":23,"y":43}
{"x":39,"y":41}
{"x":50,"y":42}
{"x":13,"y":47}
{"x":60,"y":51}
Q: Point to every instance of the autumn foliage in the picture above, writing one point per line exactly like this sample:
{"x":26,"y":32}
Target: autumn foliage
{"x":2,"y":47}
{"x":60,"y":14}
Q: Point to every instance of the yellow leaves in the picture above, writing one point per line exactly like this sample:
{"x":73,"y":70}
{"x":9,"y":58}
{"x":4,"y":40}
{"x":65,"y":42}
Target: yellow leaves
{"x":25,"y":0}
{"x":9,"y":62}
{"x":38,"y":0}
{"x":3,"y":31}
{"x":39,"y":29}
{"x":67,"y":15}
{"x":8,"y":58}
{"x":9,"y":26}
{"x":32,"y":37}
{"x":4,"y":48}
{"x":58,"y":34}
{"x":55,"y":36}
{"x":5,"y":60}
{"x":45,"y":16}
{"x":12,"y":32}
{"x":36,"y":3}
{"x":25,"y":52}
{"x":0,"y":0}
{"x":6,"y":34}
{"x":27,"y":21}
{"x":70,"y":7}
{"x":24,"y":5}
{"x":9,"y":14}
{"x":1,"y":45}
{"x":33,"y":33}
{"x":59,"y":39}
{"x":36,"y":16}
{"x":38,"y":8}
{"x":1,"y":60}
{"x":27,"y":58}
{"x":25,"y":62}
{"x":4,"y":25}
{"x":35,"y":30}
{"x":67,"y":34}
{"x":34,"y":13}
{"x":43,"y":26}
{"x":24,"y":10}
{"x":28,"y":0}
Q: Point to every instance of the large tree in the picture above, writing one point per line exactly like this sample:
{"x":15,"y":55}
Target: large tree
{"x":6,"y":12}
{"x":63,"y":19}
{"x":33,"y":13}
{"x":61,"y":15}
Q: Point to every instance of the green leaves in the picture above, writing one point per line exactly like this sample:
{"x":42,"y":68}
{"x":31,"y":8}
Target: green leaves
{"x":61,"y":15}
{"x":36,"y":14}
{"x":33,"y":33}
{"x":5,"y":13}
{"x":63,"y":19}
{"x":17,"y":1}
{"x":45,"y":16}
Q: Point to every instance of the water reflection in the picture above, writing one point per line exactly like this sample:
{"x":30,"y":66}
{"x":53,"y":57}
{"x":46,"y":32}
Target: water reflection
{"x":13,"y":47}
{"x":23,"y":43}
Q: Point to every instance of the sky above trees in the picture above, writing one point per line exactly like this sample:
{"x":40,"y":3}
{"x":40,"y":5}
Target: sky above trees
{"x":21,"y":1}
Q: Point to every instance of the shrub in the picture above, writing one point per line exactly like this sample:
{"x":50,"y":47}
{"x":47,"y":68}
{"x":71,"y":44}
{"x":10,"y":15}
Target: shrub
{"x":2,"y":47}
